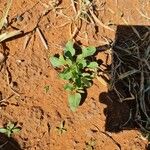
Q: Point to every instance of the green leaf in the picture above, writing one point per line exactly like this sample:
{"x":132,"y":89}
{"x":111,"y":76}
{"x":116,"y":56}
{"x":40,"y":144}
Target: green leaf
{"x":3,"y":130}
{"x":62,"y":60}
{"x":86,"y":82}
{"x":82,"y":63}
{"x":69,"y":87}
{"x":66,"y":74}
{"x":16,"y":130}
{"x":88,"y":51}
{"x":69,"y":50}
{"x":9,"y":133}
{"x":93,"y":65}
{"x":86,"y":74}
{"x":74,"y":101}
{"x":78,"y":82}
{"x":68,"y":55}
{"x":10,"y":125}
{"x":69,"y":62}
{"x":55,"y":62}
{"x":79,"y":57}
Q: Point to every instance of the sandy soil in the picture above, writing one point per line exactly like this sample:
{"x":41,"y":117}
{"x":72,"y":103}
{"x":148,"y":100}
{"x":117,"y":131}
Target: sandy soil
{"x":39,"y":112}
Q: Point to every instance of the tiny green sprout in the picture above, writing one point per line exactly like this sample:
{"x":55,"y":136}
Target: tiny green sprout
{"x":77,"y":69}
{"x":61,"y":129}
{"x":91,"y":144}
{"x":46,"y":88}
{"x":10,"y":129}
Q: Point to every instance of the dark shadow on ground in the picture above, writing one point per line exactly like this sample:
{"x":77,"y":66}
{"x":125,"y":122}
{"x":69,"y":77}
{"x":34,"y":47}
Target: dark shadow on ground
{"x":119,"y":115}
{"x":8,"y":143}
{"x":148,"y":147}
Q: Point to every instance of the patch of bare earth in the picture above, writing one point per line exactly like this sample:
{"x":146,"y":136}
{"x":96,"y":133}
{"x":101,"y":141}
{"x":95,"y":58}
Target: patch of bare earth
{"x":39,"y":112}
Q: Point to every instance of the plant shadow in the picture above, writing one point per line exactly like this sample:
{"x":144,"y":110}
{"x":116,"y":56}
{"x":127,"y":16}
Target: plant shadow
{"x":120,"y":115}
{"x":148,"y":147}
{"x":117,"y":114}
{"x":83,"y":97}
{"x":8,"y":143}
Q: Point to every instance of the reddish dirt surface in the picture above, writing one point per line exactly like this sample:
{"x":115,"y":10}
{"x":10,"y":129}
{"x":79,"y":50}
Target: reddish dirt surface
{"x":38,"y":112}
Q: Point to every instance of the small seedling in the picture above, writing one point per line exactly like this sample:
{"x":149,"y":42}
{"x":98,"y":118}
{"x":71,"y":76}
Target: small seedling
{"x":46,"y":88}
{"x":78,"y":70}
{"x":90,"y":145}
{"x":61,"y":129}
{"x":10,"y":129}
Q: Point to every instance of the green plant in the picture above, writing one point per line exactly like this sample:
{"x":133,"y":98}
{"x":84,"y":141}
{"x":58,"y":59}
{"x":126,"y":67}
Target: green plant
{"x":78,"y":70}
{"x":10,"y":129}
{"x":91,"y":144}
{"x":46,"y":88}
{"x":61,"y":129}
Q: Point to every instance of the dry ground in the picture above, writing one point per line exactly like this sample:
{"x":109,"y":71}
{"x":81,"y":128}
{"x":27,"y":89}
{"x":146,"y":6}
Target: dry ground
{"x":38,"y":112}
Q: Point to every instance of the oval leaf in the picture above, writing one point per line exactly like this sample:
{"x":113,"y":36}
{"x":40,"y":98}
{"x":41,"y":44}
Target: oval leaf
{"x":66,"y":74}
{"x":10,"y":125}
{"x":79,"y":57}
{"x":69,"y":62}
{"x":82,"y":63}
{"x":74,"y":101}
{"x":16,"y":130}
{"x":69,"y":49}
{"x":3,"y":130}
{"x":62,"y":60}
{"x":55,"y":62}
{"x":93,"y":65}
{"x":69,"y":87}
{"x":88,"y":51}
